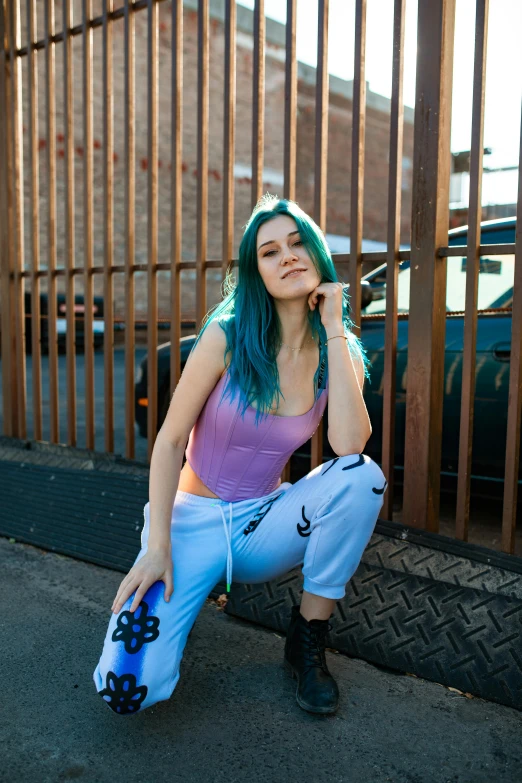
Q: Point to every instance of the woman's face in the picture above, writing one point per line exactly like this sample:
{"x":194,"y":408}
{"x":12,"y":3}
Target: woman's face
{"x":280,"y":254}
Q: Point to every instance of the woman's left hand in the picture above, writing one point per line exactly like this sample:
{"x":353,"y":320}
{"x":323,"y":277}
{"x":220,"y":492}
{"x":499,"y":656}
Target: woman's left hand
{"x":330,"y":296}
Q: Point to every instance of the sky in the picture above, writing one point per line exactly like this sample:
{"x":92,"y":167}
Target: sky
{"x":503,"y":73}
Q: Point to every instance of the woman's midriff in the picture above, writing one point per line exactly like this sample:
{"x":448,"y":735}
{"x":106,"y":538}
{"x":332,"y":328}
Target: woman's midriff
{"x":190,"y":482}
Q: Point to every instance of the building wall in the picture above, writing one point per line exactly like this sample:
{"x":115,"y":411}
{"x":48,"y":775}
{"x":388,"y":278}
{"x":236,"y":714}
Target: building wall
{"x":339,"y":150}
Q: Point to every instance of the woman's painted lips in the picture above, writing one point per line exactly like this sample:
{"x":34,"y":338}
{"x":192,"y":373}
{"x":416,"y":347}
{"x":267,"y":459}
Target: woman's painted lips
{"x":294,"y":273}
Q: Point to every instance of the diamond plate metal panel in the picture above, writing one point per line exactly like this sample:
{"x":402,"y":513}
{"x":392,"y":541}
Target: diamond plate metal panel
{"x":444,"y":610}
{"x":431,"y":613}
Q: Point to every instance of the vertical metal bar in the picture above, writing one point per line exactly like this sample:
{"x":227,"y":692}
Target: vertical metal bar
{"x":290,"y":101}
{"x":357,"y":174}
{"x":430,"y":218}
{"x":258,"y":101}
{"x":393,"y":245}
{"x":32,"y":95}
{"x":202,"y":194}
{"x":290,"y":148}
{"x":68,"y":119}
{"x":229,"y":131}
{"x":108,"y":189}
{"x":87,"y":223}
{"x":52,"y":288}
{"x":321,"y":116}
{"x":514,"y":417}
{"x":130,"y":202}
{"x":152,"y":224}
{"x":321,"y":163}
{"x":472,"y":272}
{"x":18,"y":217}
{"x":176,"y":191}
{"x":6,"y":244}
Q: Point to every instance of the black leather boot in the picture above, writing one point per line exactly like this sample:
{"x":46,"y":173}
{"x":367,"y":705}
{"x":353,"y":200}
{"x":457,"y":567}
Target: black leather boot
{"x":305,"y":659}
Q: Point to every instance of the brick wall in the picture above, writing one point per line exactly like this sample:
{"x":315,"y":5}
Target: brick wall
{"x":339,"y":150}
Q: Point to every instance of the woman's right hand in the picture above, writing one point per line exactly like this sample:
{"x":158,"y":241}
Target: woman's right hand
{"x":154,"y":566}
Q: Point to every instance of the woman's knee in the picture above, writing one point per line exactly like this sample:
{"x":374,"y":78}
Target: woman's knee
{"x":130,"y":675}
{"x":359,"y":469}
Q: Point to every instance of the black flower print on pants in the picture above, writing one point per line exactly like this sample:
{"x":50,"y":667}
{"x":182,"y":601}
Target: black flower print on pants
{"x":121,"y":693}
{"x":136,"y":628}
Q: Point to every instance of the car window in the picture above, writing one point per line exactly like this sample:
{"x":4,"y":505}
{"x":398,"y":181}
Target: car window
{"x":496,"y":280}
{"x":378,"y":303}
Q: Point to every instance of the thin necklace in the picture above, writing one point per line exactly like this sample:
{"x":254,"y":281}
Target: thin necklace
{"x":302,"y":346}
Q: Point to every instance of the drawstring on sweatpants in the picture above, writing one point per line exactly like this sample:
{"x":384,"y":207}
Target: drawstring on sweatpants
{"x":228,"y":536}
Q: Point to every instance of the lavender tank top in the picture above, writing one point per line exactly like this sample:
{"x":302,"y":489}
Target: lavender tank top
{"x":237,"y":460}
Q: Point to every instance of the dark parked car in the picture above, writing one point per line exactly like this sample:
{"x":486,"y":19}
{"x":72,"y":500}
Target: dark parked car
{"x":61,"y":323}
{"x":492,"y":370}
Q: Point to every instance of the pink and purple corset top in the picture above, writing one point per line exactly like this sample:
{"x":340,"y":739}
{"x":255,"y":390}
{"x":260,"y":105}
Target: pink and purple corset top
{"x":237,"y":460}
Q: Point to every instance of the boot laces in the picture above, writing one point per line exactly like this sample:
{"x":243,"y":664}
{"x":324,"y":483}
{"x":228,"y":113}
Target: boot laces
{"x":315,"y":643}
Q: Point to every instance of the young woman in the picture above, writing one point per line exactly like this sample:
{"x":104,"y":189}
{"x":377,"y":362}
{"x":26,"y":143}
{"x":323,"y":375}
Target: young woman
{"x":253,"y":389}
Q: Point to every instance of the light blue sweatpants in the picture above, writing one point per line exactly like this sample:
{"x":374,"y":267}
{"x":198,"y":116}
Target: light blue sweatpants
{"x":322,"y":522}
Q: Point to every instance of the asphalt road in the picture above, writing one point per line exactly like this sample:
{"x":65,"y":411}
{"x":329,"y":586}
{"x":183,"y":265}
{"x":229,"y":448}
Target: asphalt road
{"x":233,"y":716}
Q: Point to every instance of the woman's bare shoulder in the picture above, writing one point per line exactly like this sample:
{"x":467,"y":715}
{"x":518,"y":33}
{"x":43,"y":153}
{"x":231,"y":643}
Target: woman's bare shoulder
{"x":203,"y":370}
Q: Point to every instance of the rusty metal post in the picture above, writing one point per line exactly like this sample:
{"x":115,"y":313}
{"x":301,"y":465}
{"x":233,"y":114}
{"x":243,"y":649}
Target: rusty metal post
{"x":176,"y":190}
{"x":430,"y":222}
{"x":321,"y":115}
{"x":202,"y":190}
{"x":469,"y":358}
{"x":290,"y":150}
{"x":152,"y":224}
{"x":514,"y":414}
{"x":70,"y":243}
{"x":129,"y":122}
{"x":52,"y":285}
{"x":88,"y":238}
{"x":17,"y":230}
{"x":258,"y":101}
{"x":34,"y":222}
{"x":357,"y":177}
{"x":108,"y":211}
{"x":229,"y":137}
{"x":321,"y":164}
{"x":392,"y":269}
{"x":6,"y":284}
{"x":290,"y":100}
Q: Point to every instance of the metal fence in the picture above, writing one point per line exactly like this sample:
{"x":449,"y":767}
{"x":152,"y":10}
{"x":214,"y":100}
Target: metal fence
{"x":429,"y":236}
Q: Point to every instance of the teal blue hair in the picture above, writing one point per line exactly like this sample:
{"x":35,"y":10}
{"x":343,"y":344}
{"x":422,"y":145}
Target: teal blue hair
{"x":249,"y":318}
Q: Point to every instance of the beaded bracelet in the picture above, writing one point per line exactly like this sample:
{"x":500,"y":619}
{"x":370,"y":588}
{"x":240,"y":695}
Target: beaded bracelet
{"x":333,"y":338}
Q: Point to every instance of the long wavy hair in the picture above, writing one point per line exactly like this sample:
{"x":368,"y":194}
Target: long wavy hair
{"x":249,"y":318}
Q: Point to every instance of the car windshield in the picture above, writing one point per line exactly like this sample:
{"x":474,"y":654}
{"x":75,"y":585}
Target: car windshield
{"x":496,"y":279}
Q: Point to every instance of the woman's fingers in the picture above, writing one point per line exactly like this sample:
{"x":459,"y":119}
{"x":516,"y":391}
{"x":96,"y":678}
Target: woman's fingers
{"x":123,"y":594}
{"x":123,"y":583}
{"x":140,"y":592}
{"x":127,"y":587}
{"x":151,"y":568}
{"x":169,"y":587}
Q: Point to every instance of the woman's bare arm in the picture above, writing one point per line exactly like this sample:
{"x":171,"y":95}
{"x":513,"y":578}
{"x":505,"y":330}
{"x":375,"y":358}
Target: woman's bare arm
{"x":201,"y":373}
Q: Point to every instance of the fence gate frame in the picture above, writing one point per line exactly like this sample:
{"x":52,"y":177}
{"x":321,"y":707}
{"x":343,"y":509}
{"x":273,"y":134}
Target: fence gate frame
{"x":430,"y":221}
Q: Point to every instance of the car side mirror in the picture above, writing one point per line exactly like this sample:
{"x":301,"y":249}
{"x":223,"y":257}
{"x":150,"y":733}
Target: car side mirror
{"x":366,"y":294}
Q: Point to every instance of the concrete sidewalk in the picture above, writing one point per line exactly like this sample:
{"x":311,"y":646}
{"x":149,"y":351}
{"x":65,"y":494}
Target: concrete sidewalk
{"x":233,"y":716}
